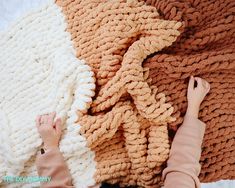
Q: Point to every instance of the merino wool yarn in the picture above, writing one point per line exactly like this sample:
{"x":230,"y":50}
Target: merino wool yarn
{"x":205,"y":48}
{"x":126,"y":125}
{"x":39,"y":73}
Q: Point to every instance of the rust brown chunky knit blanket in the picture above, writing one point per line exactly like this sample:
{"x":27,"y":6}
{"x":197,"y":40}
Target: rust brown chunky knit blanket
{"x":206,"y":48}
{"x":142,"y":54}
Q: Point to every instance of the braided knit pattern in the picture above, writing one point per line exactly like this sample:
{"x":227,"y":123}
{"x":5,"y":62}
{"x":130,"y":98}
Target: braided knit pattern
{"x":127,"y":123}
{"x":205,"y":48}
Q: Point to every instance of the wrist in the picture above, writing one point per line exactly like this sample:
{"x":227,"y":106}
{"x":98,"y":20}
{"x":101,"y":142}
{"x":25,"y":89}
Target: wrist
{"x":192,"y":111}
{"x":49,"y":147}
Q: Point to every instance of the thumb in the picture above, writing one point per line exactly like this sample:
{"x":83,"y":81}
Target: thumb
{"x":191,"y":83}
{"x":58,"y":125}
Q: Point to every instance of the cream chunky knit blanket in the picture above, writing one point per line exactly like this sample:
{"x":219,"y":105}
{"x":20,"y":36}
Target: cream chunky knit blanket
{"x":39,"y":73}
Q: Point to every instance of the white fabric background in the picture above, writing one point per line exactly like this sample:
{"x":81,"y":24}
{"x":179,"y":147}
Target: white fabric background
{"x":12,"y":9}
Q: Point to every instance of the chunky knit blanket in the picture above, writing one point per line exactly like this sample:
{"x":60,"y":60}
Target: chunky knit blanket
{"x":141,"y":56}
{"x":205,"y":48}
{"x":39,"y":73}
{"x":127,"y":121}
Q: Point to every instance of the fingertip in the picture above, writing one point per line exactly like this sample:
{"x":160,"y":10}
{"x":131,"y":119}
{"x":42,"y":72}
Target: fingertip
{"x":52,"y":116}
{"x":38,"y":120}
{"x":58,"y":124}
{"x":58,"y":121}
{"x":191,"y":82}
{"x":198,"y":80}
{"x":191,"y":77}
{"x":208,"y":84}
{"x":209,"y":88}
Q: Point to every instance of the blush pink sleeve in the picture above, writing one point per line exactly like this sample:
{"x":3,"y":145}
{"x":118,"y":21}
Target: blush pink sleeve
{"x":183,"y":165}
{"x":52,"y":164}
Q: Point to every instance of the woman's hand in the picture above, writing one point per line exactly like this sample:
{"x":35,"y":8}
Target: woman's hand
{"x":196,"y":95}
{"x":49,"y":130}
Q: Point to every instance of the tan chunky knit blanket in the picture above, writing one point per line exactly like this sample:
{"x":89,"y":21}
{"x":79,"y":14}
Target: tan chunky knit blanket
{"x":127,"y":124}
{"x":135,"y":102}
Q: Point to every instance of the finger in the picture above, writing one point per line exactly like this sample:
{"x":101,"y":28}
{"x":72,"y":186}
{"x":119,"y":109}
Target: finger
{"x":199,"y":81}
{"x":51,"y":118}
{"x":45,"y":119}
{"x":38,"y":121}
{"x":42,"y":119}
{"x":204,"y":84}
{"x":208,"y":87}
{"x":58,"y":125}
{"x":191,"y":83}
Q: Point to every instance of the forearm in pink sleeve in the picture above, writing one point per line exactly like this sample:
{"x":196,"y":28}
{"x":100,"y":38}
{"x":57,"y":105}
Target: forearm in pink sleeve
{"x":52,"y":164}
{"x":183,"y":165}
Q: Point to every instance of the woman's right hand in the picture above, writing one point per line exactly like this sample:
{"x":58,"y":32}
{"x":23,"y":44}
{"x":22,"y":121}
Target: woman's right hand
{"x":49,"y":130}
{"x":196,"y":95}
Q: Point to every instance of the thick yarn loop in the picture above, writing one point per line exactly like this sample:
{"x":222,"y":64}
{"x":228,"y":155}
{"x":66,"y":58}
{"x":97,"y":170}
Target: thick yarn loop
{"x":205,"y":48}
{"x":114,"y":37}
{"x":101,"y":136}
{"x":129,"y":76}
